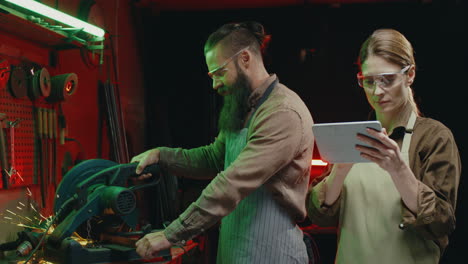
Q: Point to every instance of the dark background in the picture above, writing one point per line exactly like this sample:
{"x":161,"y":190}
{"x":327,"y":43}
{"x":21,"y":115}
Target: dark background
{"x":182,"y":108}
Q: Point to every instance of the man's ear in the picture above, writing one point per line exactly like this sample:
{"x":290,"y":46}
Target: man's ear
{"x":246,"y":58}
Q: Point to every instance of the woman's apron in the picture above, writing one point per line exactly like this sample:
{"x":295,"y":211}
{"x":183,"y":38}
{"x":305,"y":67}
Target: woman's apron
{"x":258,"y":230}
{"x":370,"y":216}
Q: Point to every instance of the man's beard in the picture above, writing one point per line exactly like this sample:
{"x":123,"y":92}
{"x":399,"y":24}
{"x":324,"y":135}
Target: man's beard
{"x":235,"y":107}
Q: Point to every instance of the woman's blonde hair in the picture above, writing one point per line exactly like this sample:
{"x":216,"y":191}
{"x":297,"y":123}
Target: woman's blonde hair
{"x":392,"y":46}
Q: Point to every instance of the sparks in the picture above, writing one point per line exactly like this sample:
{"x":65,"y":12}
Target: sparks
{"x":32,"y":227}
{"x":33,"y":207}
{"x":19,"y":175}
{"x":10,"y":212}
{"x":43,"y":216}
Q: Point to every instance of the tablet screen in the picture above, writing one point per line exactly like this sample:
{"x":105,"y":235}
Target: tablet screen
{"x":336,"y":141}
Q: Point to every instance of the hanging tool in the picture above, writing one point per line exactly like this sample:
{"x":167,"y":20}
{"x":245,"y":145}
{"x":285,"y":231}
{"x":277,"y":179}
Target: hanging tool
{"x":62,"y":87}
{"x":3,"y":154}
{"x":41,"y":173}
{"x":13,"y":173}
{"x":62,"y":125}
{"x":54,"y":147}
{"x":50,"y":150}
{"x":4,"y":73}
{"x":45,"y":143}
{"x":18,"y":83}
{"x":39,"y":83}
{"x":37,"y":145}
{"x":45,"y":86}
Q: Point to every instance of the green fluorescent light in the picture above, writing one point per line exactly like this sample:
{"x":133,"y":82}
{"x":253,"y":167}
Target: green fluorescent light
{"x":58,"y":16}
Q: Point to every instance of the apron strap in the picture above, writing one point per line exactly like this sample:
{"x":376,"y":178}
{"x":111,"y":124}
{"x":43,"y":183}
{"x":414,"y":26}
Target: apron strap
{"x":263,"y":99}
{"x":408,"y":133}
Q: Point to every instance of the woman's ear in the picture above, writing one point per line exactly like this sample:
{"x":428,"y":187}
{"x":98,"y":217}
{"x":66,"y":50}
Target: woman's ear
{"x":411,"y":74}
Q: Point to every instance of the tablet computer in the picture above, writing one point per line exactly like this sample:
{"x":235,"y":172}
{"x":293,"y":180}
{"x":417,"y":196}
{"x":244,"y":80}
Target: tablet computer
{"x":336,"y":141}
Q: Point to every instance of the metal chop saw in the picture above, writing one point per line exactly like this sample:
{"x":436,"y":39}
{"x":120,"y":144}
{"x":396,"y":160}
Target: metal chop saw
{"x":94,"y":200}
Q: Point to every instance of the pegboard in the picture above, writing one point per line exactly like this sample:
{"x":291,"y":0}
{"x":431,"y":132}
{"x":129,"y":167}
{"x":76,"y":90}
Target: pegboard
{"x":24,"y":134}
{"x":28,"y":146}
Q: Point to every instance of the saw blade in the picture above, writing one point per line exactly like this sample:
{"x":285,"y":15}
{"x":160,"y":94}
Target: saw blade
{"x":76,"y":175}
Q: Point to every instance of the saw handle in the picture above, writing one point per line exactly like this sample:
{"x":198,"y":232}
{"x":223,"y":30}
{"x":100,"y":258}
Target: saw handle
{"x":153,"y":169}
{"x":118,"y":176}
{"x":155,"y":172}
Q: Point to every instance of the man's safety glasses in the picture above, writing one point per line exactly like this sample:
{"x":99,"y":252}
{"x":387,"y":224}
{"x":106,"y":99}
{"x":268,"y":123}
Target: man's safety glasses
{"x":383,"y":80}
{"x":218,"y":72}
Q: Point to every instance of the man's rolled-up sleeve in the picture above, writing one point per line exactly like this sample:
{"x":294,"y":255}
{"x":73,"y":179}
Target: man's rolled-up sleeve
{"x":198,"y":163}
{"x":273,"y":142}
{"x":320,"y":213}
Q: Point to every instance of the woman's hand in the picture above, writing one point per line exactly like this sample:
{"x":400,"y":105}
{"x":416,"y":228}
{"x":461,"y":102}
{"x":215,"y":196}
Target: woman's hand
{"x":335,"y":182}
{"x":384,"y":151}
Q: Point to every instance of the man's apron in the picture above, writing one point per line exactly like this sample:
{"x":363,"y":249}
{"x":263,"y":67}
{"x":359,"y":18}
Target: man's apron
{"x":370,"y":217}
{"x":258,"y":230}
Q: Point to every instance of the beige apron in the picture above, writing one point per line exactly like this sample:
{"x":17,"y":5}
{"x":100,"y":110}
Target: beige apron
{"x":259,"y":230}
{"x":370,"y":216}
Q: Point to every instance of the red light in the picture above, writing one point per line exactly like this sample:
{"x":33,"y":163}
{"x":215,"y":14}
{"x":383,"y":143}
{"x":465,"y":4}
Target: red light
{"x":69,"y":87}
{"x":319,"y":162}
{"x":318,"y":168}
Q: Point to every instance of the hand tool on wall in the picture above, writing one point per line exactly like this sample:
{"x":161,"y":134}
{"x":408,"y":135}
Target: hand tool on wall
{"x":54,"y":148}
{"x":62,"y":125}
{"x":50,"y":150}
{"x":45,"y":143}
{"x":4,"y":73}
{"x":13,"y":173}
{"x":42,"y":181}
{"x":45,"y":86}
{"x":39,"y":83}
{"x":3,"y":155}
{"x":62,"y":87}
{"x":37,"y":144}
{"x":18,"y":84}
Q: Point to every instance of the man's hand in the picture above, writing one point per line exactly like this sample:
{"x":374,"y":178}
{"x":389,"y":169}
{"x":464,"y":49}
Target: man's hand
{"x":149,"y":246}
{"x":144,"y":159}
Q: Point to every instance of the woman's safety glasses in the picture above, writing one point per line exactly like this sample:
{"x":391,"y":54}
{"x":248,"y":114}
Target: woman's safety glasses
{"x":383,"y":80}
{"x":218,"y":72}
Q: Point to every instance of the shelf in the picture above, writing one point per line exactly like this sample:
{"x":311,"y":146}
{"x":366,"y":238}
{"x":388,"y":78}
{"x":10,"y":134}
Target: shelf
{"x":39,"y":31}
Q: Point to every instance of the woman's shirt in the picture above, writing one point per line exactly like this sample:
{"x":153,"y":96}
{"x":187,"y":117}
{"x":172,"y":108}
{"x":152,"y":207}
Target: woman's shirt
{"x":435,"y":161}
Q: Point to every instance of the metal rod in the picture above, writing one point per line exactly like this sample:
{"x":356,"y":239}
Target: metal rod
{"x":3,"y":158}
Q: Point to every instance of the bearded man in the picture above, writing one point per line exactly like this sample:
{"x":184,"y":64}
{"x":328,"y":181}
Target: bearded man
{"x":259,"y":163}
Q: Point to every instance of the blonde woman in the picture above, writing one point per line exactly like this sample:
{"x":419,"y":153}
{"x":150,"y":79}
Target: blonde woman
{"x":400,"y":207}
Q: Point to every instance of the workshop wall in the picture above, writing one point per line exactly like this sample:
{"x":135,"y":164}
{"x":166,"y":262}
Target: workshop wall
{"x":87,"y":135}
